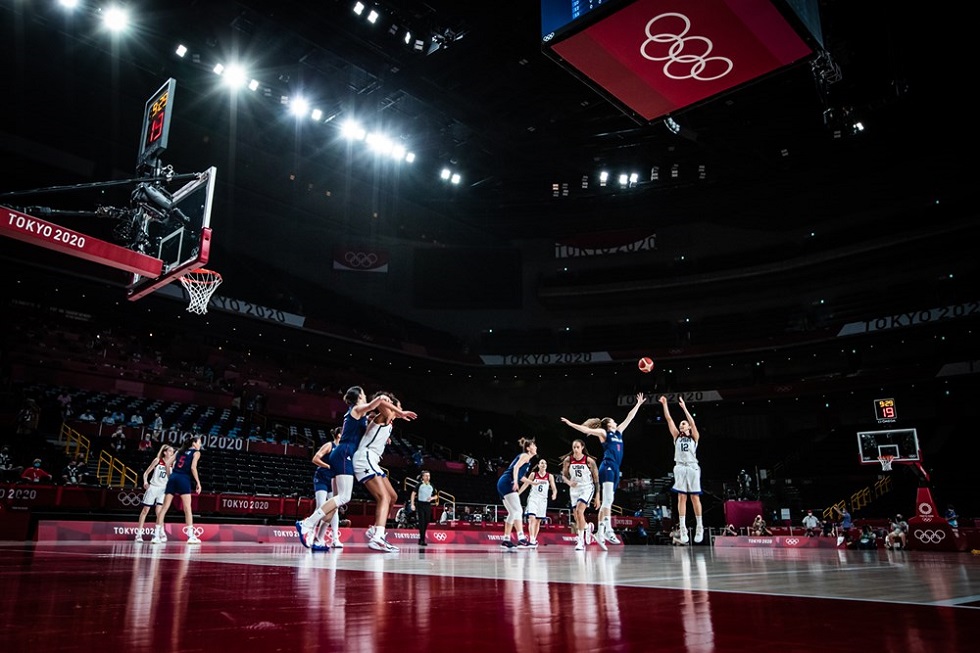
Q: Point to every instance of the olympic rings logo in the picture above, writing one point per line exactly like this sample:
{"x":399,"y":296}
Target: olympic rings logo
{"x":439,"y":535}
{"x":361,"y":259}
{"x":929,"y":536}
{"x":193,"y":531}
{"x":130,"y":499}
{"x":696,"y":63}
{"x":925,"y":508}
{"x":791,"y":541}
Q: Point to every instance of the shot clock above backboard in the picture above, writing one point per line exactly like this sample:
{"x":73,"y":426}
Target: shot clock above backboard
{"x":885,"y":411}
{"x":156,"y":125}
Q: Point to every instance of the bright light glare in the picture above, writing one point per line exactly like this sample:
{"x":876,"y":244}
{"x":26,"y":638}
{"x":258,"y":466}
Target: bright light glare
{"x":352,"y":131}
{"x":373,"y":17}
{"x":115,"y":19}
{"x":235,"y":76}
{"x":408,"y":38}
{"x":379,"y":143}
{"x":181,"y":50}
{"x":455,"y":178}
{"x":410,"y":157}
{"x":299,"y":107}
{"x":398,"y":152}
{"x":316,"y":115}
{"x":445,"y":174}
{"x":218,"y":69}
{"x":623,"y":179}
{"x":603,"y":176}
{"x":634,"y":178}
{"x":358,"y":8}
{"x":253,"y":85}
{"x":68,"y":4}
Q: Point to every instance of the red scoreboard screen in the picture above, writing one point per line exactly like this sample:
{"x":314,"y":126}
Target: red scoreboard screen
{"x":655,"y":57}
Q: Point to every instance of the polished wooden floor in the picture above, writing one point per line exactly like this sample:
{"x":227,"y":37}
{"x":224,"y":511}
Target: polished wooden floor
{"x":69,"y":596}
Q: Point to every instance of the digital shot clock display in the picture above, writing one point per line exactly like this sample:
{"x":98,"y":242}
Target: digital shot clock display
{"x":156,"y":123}
{"x":885,"y":410}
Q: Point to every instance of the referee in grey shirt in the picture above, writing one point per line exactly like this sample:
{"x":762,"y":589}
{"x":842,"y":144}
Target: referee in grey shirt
{"x":421,"y":502}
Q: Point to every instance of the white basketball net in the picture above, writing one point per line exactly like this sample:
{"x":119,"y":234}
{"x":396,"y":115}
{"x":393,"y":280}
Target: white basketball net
{"x":200,"y":285}
{"x":886,"y":463}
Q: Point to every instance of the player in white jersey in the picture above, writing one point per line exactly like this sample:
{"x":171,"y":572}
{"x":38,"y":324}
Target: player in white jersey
{"x":368,"y":471}
{"x":687,"y":471}
{"x":579,"y":470}
{"x":155,"y":485}
{"x":541,"y":483}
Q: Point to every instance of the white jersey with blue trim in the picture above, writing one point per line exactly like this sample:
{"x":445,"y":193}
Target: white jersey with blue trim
{"x":685,"y":450}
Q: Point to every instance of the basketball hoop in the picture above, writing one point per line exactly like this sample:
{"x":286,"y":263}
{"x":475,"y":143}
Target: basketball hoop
{"x":886,"y":463}
{"x":200,"y":284}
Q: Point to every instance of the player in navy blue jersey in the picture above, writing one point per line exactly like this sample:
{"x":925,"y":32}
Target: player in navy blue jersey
{"x":507,"y":486}
{"x":341,"y":456}
{"x":183,"y":481}
{"x":323,"y":490}
{"x":610,"y":434}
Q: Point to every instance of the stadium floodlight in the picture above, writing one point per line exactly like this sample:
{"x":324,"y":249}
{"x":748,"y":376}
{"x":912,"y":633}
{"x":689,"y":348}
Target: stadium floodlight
{"x":359,"y":8}
{"x":181,"y":50}
{"x":115,"y":19}
{"x":299,"y":107}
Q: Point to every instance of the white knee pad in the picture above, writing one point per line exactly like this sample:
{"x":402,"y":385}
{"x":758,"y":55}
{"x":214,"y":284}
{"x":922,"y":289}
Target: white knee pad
{"x":608,"y":495}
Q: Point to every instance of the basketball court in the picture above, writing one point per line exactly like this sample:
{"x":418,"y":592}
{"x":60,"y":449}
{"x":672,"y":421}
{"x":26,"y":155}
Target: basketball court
{"x":71,"y":596}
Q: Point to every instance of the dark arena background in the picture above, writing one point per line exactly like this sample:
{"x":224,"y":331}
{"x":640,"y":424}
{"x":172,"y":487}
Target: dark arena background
{"x":492,"y":212}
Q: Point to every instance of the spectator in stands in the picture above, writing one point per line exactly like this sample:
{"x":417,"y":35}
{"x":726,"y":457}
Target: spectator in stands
{"x":107,"y":418}
{"x":157,"y":426}
{"x":896,"y":533}
{"x":184,"y":480}
{"x":28,"y":418}
{"x":423,"y":496}
{"x":744,"y":486}
{"x":951,"y":517}
{"x":541,"y":484}
{"x":448,"y":514}
{"x":87,"y":416}
{"x":868,"y":539}
{"x":118,"y":440}
{"x":846,"y":523}
{"x":64,"y":403}
{"x":730,"y":531}
{"x":155,"y":478}
{"x":70,"y":474}
{"x":118,"y":417}
{"x":759,"y":527}
{"x":146,"y":442}
{"x":8,"y":471}
{"x":811,"y":524}
{"x":418,"y":457}
{"x":36,"y":474}
{"x":85,"y":476}
{"x":136,"y":419}
{"x":829,"y":527}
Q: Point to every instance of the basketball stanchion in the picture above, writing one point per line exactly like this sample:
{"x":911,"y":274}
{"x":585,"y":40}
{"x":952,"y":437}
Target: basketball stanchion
{"x":200,"y":284}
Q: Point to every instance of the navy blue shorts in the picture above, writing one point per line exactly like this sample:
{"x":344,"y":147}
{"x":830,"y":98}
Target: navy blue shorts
{"x":180,"y":484}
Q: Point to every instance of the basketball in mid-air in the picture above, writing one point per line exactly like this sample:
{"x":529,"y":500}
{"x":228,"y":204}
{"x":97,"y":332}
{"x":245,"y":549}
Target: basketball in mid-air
{"x":645,"y":364}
